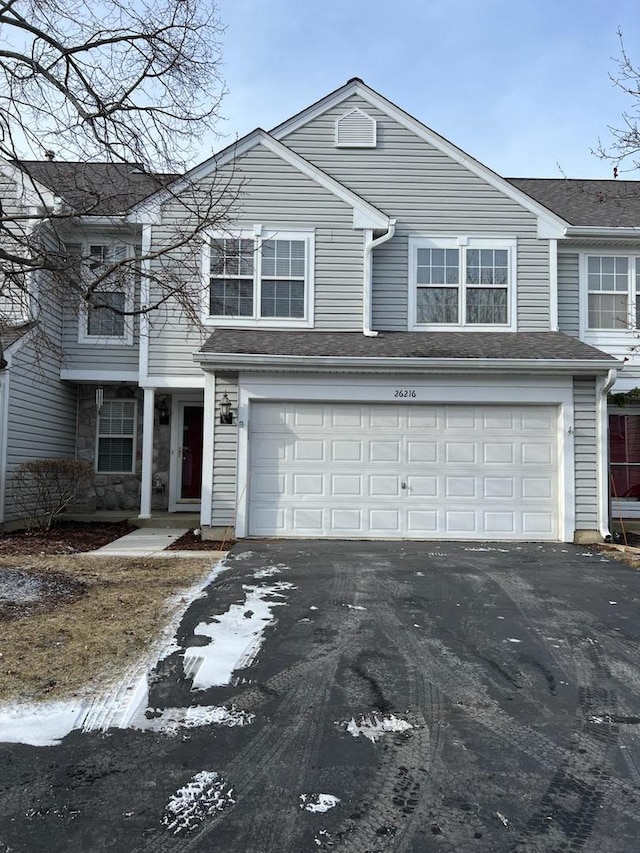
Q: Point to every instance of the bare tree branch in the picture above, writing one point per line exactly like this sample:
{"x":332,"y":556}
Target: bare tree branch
{"x":102,"y":105}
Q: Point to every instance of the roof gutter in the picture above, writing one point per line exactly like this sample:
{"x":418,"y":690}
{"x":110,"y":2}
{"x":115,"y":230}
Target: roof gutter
{"x":258,"y":361}
{"x":367,"y":289}
{"x":596,"y":231}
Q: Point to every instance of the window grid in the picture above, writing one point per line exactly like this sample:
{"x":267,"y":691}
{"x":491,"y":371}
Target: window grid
{"x":441,"y":299}
{"x":116,"y":433}
{"x":265,"y":282}
{"x":105,"y":318}
{"x":611,"y":300}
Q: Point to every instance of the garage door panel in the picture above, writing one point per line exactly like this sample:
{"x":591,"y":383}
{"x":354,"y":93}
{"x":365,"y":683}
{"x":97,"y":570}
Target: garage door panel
{"x":309,"y":520}
{"x":387,"y":521}
{"x":408,"y":470}
{"x":346,"y":485}
{"x":384,"y":485}
{"x":498,"y":454}
{"x":422,"y":451}
{"x":308,"y":484}
{"x":309,"y":450}
{"x":456,"y":451}
{"x":498,"y":487}
{"x":384,"y":451}
{"x":346,"y":451}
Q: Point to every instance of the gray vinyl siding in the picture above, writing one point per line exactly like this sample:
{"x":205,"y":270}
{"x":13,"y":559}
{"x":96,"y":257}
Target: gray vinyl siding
{"x":225,"y":455}
{"x":429,"y":194}
{"x":41,"y":408}
{"x":568,"y":294}
{"x":277,"y":196}
{"x":585,"y":432}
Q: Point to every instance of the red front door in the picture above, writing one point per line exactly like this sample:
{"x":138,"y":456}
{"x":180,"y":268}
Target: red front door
{"x":191,"y":452}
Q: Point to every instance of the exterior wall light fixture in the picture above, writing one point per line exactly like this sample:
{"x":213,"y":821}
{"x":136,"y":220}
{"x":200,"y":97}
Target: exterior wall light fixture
{"x":226,"y":416}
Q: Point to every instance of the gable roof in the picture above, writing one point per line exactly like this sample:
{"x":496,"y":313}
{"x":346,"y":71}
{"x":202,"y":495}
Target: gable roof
{"x":356,"y":86}
{"x":365,"y":214}
{"x":590,"y":203}
{"x":95,"y":189}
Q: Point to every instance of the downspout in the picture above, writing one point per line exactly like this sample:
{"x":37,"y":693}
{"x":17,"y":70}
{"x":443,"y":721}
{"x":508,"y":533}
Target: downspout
{"x":603,"y":386}
{"x":369,"y":246}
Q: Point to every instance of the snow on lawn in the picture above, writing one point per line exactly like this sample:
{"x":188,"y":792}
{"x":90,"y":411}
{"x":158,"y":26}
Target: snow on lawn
{"x":318,"y":802}
{"x":40,"y":725}
{"x":47,"y":723}
{"x":374,"y":726}
{"x":204,"y":795}
{"x":236,"y":637}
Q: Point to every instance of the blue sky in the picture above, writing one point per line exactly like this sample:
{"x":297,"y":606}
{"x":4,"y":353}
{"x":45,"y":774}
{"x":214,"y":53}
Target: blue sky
{"x":523,"y":86}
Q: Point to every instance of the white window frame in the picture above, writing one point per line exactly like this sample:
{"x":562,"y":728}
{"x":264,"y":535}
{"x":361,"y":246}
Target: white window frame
{"x":126,"y":339}
{"x":608,"y":335}
{"x":461,"y":244}
{"x":133,"y":436}
{"x":259,"y":234}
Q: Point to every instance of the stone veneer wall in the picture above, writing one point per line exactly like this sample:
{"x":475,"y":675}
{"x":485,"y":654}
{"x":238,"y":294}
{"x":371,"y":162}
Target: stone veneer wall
{"x":120,"y":491}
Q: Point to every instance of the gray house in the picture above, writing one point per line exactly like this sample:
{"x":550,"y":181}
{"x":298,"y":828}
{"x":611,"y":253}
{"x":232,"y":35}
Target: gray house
{"x":393,"y":342}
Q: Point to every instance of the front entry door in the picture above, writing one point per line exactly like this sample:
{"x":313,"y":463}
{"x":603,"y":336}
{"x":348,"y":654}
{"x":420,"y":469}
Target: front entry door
{"x":191,"y":474}
{"x":187,"y":456}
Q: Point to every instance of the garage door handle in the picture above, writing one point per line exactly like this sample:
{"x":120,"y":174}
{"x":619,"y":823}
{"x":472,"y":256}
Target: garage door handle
{"x":403,"y":485}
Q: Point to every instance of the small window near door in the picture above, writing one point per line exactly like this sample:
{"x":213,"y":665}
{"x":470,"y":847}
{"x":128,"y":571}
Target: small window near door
{"x":116,"y":437}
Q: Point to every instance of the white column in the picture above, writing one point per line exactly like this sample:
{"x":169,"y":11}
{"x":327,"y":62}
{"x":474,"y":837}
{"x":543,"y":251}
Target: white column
{"x":208,"y":426}
{"x":147,"y":453}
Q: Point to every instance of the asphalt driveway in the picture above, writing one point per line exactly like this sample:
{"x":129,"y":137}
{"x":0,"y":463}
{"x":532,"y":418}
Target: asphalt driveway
{"x":404,"y":697}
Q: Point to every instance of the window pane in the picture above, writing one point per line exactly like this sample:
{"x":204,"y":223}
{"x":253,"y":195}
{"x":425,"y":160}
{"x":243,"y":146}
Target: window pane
{"x":103,"y":319}
{"x":116,"y":430}
{"x":231,"y":297}
{"x":282,"y":299}
{"x":437,"y":266}
{"x":115,"y":454}
{"x":232,"y":257}
{"x":624,"y":452}
{"x":437,"y":305}
{"x":608,"y":311}
{"x":284,"y":258}
{"x":487,"y":266}
{"x":607,"y":273}
{"x":486,"y":305}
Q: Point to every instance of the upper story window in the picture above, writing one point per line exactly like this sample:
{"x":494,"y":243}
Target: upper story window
{"x":106,"y":318}
{"x":612,"y":284}
{"x":462,"y":283}
{"x":264,"y":277}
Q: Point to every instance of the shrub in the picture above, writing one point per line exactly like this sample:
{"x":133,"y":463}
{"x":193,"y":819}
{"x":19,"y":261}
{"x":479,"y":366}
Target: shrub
{"x":44,"y":488}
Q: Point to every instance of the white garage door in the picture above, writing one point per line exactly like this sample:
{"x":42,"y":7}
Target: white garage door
{"x":414,"y":471}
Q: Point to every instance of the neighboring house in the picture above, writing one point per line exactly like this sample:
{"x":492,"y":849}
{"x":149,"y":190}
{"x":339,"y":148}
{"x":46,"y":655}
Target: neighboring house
{"x":395,"y":342}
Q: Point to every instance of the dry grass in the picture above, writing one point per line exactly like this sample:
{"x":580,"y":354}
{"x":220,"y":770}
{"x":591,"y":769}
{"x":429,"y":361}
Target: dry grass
{"x":79,"y":643}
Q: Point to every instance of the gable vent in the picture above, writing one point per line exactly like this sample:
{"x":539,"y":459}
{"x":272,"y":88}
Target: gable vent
{"x":355,"y":129}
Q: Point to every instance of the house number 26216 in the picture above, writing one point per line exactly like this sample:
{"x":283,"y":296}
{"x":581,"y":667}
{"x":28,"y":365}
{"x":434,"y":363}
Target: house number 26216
{"x":405,"y":392}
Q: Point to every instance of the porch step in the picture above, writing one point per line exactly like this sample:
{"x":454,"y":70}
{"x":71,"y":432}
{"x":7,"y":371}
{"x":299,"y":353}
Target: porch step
{"x":158,"y":519}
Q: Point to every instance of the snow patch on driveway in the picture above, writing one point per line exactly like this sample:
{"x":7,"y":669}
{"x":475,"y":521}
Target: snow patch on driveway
{"x":318,"y":802}
{"x":171,"y":721}
{"x":374,"y":726}
{"x":235,"y":637}
{"x":206,"y":794}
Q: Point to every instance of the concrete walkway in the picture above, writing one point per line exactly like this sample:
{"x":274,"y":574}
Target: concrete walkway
{"x":147,"y":542}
